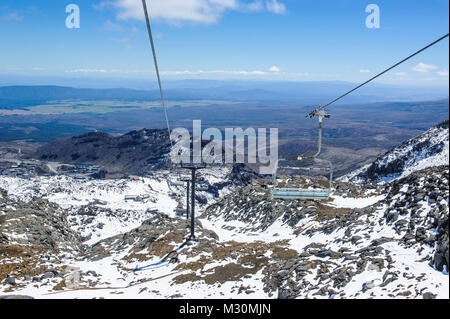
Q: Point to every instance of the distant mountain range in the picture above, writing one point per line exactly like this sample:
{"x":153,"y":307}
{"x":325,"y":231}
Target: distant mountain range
{"x":290,"y":92}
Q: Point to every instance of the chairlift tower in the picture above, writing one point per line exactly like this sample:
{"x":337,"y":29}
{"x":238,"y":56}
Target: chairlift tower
{"x":187,"y":180}
{"x":193,"y":167}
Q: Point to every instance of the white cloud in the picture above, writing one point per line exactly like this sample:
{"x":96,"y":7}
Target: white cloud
{"x":103,"y":5}
{"x":272,"y":6}
{"x":87,"y":71}
{"x":222,"y":72}
{"x":402,"y":79}
{"x":443,"y":73}
{"x":112,"y":26}
{"x":275,"y":7}
{"x":181,"y":11}
{"x":189,"y":73}
{"x":255,"y":6}
{"x":12,"y":17}
{"x":134,"y":30}
{"x":176,"y":11}
{"x":270,"y":73}
{"x":295,"y":75}
{"x":274,"y":69}
{"x":364,"y":71}
{"x":424,"y":68}
{"x":171,"y":73}
{"x":122,"y":40}
{"x":401,"y":74}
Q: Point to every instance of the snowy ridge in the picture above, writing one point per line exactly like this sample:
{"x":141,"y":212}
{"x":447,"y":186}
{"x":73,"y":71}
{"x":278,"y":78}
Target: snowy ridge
{"x":99,"y":209}
{"x":429,"y":149}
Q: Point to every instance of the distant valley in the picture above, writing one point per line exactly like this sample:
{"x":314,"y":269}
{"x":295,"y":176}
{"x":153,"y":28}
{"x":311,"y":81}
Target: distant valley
{"x":358,"y":131}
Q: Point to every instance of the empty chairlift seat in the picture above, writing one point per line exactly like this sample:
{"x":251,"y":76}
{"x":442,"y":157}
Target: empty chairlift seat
{"x":301,"y":193}
{"x":294,"y":193}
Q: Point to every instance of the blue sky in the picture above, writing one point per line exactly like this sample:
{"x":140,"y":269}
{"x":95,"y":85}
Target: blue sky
{"x":301,"y":40}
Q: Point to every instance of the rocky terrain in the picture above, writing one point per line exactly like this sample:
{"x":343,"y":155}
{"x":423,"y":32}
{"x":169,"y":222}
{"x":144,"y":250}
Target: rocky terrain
{"x":368,"y":241}
{"x":63,"y":237}
{"x":99,"y":208}
{"x":35,"y":241}
{"x":385,"y":247}
{"x":137,"y":152}
{"x":426,"y":150}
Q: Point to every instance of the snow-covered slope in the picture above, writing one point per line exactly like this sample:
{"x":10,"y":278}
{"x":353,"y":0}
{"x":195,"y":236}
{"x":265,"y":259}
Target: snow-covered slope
{"x":98,"y":209}
{"x":426,"y":150}
{"x":368,"y":241}
{"x":66,"y":237}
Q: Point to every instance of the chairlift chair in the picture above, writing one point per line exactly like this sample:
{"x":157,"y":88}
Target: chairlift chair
{"x":299,"y":193}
